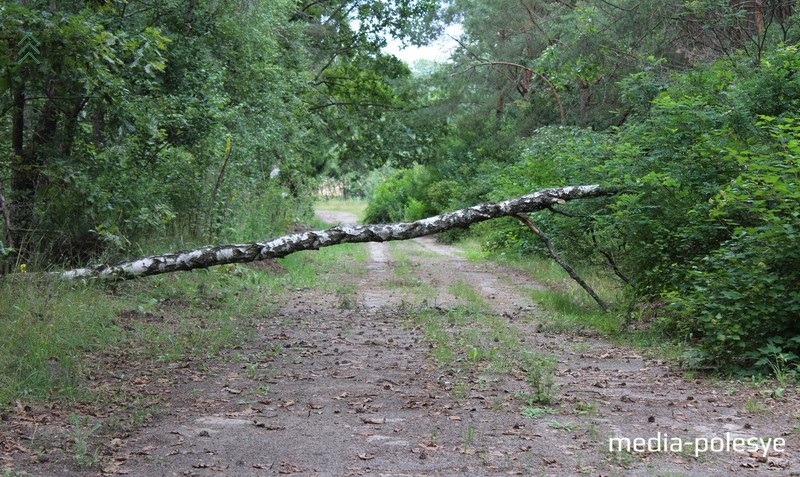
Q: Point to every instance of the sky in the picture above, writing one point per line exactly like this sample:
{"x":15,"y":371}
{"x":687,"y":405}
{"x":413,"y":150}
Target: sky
{"x":437,"y":51}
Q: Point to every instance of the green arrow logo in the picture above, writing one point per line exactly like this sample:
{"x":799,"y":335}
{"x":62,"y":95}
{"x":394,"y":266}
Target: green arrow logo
{"x":31,"y":44}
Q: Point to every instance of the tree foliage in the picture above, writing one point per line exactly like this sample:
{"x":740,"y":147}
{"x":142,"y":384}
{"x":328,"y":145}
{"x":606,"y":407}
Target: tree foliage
{"x":144,"y":119}
{"x":690,"y":107}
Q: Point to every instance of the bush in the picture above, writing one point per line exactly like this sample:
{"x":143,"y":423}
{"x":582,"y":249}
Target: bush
{"x":406,"y":194}
{"x":746,"y":294}
{"x":709,"y":218}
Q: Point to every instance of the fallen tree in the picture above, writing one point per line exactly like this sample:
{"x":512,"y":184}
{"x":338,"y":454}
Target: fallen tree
{"x":224,"y":254}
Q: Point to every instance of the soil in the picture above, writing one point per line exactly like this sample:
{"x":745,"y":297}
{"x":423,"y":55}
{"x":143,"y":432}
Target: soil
{"x":333,"y":388}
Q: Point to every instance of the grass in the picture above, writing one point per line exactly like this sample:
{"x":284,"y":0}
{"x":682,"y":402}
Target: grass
{"x":403,"y":272}
{"x":567,"y":308}
{"x":115,"y":346}
{"x":583,"y":408}
{"x":562,"y":426}
{"x":357,"y":207}
{"x":469,"y":342}
{"x":56,"y":335}
{"x":535,"y":412}
{"x":755,"y":407}
{"x":79,"y":444}
{"x":465,"y":292}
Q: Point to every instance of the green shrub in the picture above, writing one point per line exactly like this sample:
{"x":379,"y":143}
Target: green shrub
{"x":709,"y":217}
{"x":405,"y":194}
{"x":746,"y":294}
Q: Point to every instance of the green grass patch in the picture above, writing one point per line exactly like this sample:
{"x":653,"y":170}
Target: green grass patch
{"x":464,"y":291}
{"x":45,"y":326}
{"x":472,"y":343}
{"x":535,"y":412}
{"x":55,"y":334}
{"x":404,"y":271}
{"x":473,"y":250}
{"x":565,"y":314}
{"x":357,"y":207}
{"x":567,"y":307}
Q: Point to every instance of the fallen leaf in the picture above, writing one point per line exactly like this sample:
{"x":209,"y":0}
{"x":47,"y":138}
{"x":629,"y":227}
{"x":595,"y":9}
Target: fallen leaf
{"x":287,"y":468}
{"x":116,"y":442}
{"x":115,"y":468}
{"x":366,"y":456}
{"x":269,"y":427}
{"x":147,"y":450}
{"x":779,"y":463}
{"x":373,"y":420}
{"x":232,"y":390}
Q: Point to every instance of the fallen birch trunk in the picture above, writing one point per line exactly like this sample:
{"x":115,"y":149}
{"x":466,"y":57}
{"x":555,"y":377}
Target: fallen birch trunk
{"x":224,"y":254}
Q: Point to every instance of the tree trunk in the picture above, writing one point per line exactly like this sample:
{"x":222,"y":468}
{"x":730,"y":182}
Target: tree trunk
{"x":224,"y":254}
{"x":6,"y":218}
{"x":22,"y":178}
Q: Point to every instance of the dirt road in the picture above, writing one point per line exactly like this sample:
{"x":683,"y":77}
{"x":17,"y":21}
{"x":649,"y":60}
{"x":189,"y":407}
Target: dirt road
{"x":349,"y":385}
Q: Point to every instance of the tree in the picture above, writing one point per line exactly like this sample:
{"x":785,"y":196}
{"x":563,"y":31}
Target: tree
{"x":52,"y":119}
{"x":280,"y":247}
{"x":139,"y":111}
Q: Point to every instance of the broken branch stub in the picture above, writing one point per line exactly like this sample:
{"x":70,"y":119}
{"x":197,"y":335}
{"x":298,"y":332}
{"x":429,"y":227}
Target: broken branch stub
{"x":225,"y":254}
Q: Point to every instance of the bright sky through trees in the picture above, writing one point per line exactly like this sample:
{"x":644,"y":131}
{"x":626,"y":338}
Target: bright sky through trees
{"x":439,"y":50}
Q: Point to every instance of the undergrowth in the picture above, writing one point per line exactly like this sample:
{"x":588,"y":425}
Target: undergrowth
{"x":566,"y":308}
{"x":55,"y":334}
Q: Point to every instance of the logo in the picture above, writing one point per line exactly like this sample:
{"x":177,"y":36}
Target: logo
{"x":31,"y":44}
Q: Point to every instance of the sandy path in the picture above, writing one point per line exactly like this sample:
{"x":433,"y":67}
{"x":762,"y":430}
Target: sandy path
{"x":330,"y":391}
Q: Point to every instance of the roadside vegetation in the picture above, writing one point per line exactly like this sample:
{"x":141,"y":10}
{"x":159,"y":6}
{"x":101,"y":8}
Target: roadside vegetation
{"x":143,"y":128}
{"x":58,"y":340}
{"x":113,"y":354}
{"x":700,"y":246}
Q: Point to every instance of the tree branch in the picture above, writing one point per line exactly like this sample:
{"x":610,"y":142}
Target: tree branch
{"x":557,"y":257}
{"x":553,"y":90}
